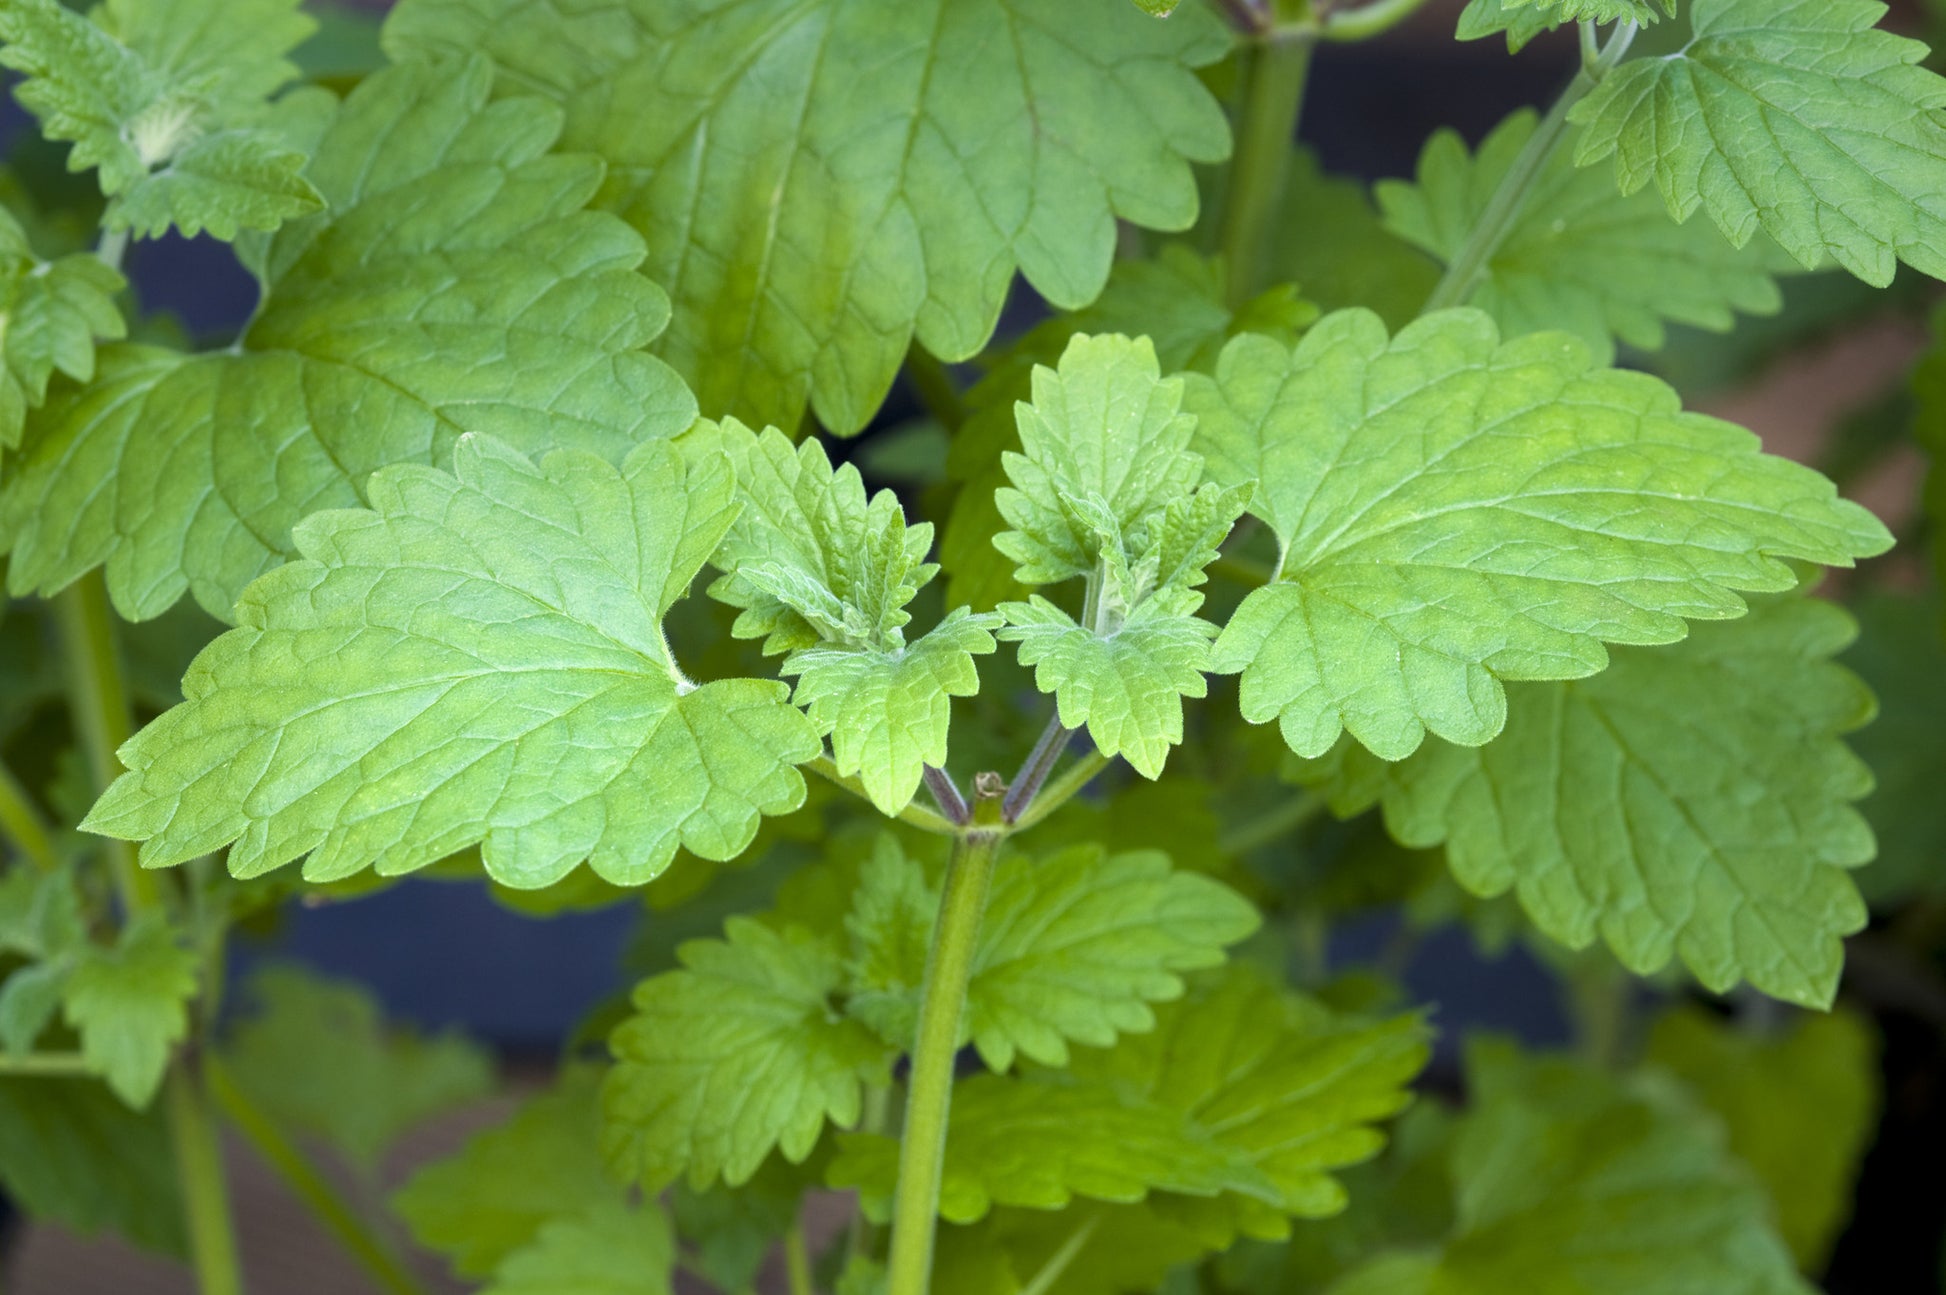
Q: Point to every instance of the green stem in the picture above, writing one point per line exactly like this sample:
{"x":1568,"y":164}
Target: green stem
{"x":1057,"y":1263}
{"x":915,"y":814}
{"x":311,"y":1187}
{"x":797,"y":1261}
{"x":1033,"y":773}
{"x":1503,"y":209}
{"x":199,"y":1173}
{"x":61,"y":1064}
{"x":1274,"y":74}
{"x":111,"y":248}
{"x":1369,"y":20}
{"x":21,"y":823}
{"x":1060,"y":791}
{"x":101,"y":714}
{"x":935,"y":387}
{"x":922,"y":1146}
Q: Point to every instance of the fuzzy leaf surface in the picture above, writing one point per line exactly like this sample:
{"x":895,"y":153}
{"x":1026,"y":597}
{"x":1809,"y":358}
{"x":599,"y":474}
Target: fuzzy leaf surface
{"x":1797,"y":116}
{"x":739,"y":1052}
{"x":1566,"y":1179}
{"x":822,"y":572}
{"x":1279,"y":1077}
{"x":1523,"y":20}
{"x":821,"y":182}
{"x":457,"y":284}
{"x":1578,"y":258}
{"x":167,"y":99}
{"x":478,"y":660}
{"x":1693,"y":801}
{"x":1454,"y":511}
{"x":74,"y":1154}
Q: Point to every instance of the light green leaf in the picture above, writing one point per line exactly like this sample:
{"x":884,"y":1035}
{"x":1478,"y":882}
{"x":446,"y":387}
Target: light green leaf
{"x":1179,"y":301}
{"x":1523,"y":20}
{"x":167,"y":99}
{"x":1126,"y":688}
{"x":1104,"y":426}
{"x":819,"y":570}
{"x":1104,"y":489}
{"x":1800,"y":1105}
{"x":51,"y":315}
{"x":456,"y":285}
{"x":72,"y":1154}
{"x":1690,"y":801}
{"x":824,"y":181}
{"x":1567,"y":1179}
{"x":887,"y":713}
{"x":477,"y":661}
{"x":319,"y":1059}
{"x":1578,"y":258}
{"x":1074,"y":947}
{"x":741,"y":1051}
{"x":612,"y":1249}
{"x":1454,"y":511}
{"x":40,"y":913}
{"x":1157,"y":8}
{"x":130,"y":1006}
{"x":1794,"y":115}
{"x":809,"y":559}
{"x":1039,"y":1143}
{"x":493,"y":1198}
{"x":1279,"y":1077}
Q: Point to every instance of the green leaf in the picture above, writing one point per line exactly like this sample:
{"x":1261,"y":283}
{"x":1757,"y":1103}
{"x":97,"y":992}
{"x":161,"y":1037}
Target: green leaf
{"x":613,"y":1249}
{"x":1523,"y":20}
{"x":456,"y":285}
{"x":318,"y":1057}
{"x":1690,"y":801}
{"x":1104,"y":489}
{"x":1157,"y":8}
{"x":29,"y":997}
{"x":741,"y":1051}
{"x":167,"y":99}
{"x":809,"y":559}
{"x":1454,"y":511}
{"x":1577,"y":258}
{"x":130,"y":1006}
{"x":820,"y":571}
{"x":824,"y":181}
{"x":1039,"y":1143}
{"x":1075,"y":946}
{"x":1801,"y":1107}
{"x":1901,"y":655}
{"x":40,"y":913}
{"x":1567,"y":1179}
{"x":1125,"y":688}
{"x":492,"y":1199}
{"x":1279,"y":1077}
{"x":72,"y":1154}
{"x":1179,"y":301}
{"x":478,"y":661}
{"x":1103,"y":428}
{"x":1797,"y":116}
{"x":887,"y":713}
{"x":51,"y":315}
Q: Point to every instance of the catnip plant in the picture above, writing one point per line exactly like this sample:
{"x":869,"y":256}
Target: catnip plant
{"x":1317,"y":553}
